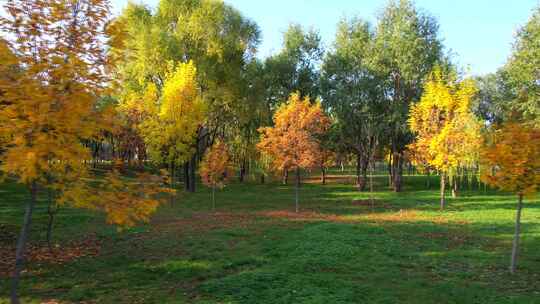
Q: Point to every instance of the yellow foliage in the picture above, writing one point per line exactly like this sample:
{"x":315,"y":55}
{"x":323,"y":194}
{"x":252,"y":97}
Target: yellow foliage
{"x":125,"y":202}
{"x":447,"y":132}
{"x":171,"y":123}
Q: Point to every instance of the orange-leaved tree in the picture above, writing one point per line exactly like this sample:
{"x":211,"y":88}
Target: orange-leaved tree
{"x":292,"y":142}
{"x":511,"y":162}
{"x":216,"y":168}
{"x":447,"y":132}
{"x":57,"y":49}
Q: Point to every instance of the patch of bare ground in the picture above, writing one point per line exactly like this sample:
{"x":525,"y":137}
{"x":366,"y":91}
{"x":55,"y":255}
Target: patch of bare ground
{"x":406,"y":215}
{"x":40,"y":254}
{"x":303,"y":216}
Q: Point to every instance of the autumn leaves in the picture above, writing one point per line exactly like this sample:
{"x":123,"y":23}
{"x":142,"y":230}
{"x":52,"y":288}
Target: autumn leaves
{"x":293,"y":142}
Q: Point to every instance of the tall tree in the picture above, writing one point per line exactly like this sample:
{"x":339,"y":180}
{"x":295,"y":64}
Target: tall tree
{"x":59,"y":51}
{"x":523,"y":71}
{"x":407,"y":47}
{"x":173,"y":119}
{"x":511,"y":157}
{"x":292,"y":141}
{"x":447,"y":132}
{"x":352,"y":93}
{"x":296,"y":67}
{"x":211,"y":33}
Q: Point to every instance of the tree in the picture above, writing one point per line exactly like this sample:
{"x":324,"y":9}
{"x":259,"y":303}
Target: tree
{"x":215,"y":168}
{"x":407,"y":47}
{"x":58,"y":49}
{"x":212,"y":34}
{"x":447,"y":132}
{"x":351,"y":93}
{"x":511,"y":158}
{"x":292,"y":141}
{"x":172,"y":120}
{"x":523,"y":71}
{"x":295,"y":67}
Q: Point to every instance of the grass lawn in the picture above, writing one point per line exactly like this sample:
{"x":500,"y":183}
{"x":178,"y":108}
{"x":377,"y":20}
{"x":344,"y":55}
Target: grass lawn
{"x":255,"y":249}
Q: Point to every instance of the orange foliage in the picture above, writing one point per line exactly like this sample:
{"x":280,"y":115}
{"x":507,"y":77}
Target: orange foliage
{"x":511,"y":159}
{"x":215,"y":168}
{"x":292,"y":141}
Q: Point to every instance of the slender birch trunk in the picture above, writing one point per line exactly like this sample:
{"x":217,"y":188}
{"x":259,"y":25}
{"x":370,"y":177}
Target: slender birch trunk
{"x":297,"y":189}
{"x":21,"y":244}
{"x":515,"y":244}
{"x":443,"y":189}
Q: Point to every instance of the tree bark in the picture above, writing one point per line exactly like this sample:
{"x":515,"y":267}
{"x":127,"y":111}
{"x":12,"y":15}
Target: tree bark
{"x":455,"y":187}
{"x":361,"y":171}
{"x":397,"y":163}
{"x":297,"y":204}
{"x":285,"y":179}
{"x":323,"y":175}
{"x":172,"y":183}
{"x":192,"y":178}
{"x":515,"y":244}
{"x":51,"y":212}
{"x":21,"y":244}
{"x":242,"y":170}
{"x":262,"y":178}
{"x":443,"y":190}
{"x":390,"y":173}
{"x":186,"y":176}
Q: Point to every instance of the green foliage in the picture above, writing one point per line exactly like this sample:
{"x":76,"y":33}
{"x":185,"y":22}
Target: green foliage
{"x":295,"y":67}
{"x":523,"y":70}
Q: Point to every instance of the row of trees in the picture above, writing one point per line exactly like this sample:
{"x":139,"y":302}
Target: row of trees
{"x":179,"y":84}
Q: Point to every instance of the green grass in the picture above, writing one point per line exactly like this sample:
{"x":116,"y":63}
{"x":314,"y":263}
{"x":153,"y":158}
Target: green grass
{"x":255,"y":250}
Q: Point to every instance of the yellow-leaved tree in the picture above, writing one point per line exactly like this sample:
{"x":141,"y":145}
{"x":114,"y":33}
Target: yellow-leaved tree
{"x":293,"y":142}
{"x":447,"y":132}
{"x":172,"y":117}
{"x":216,"y":168}
{"x":511,"y":162}
{"x":56,"y":50}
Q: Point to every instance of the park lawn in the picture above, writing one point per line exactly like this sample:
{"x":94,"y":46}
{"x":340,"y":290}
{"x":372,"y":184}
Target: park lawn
{"x":255,"y":249}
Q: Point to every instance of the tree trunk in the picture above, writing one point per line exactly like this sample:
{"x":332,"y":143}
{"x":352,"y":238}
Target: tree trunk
{"x":515,"y":244}
{"x":443,"y":189}
{"x":372,"y":170}
{"x":262,"y":178}
{"x":428,"y":181}
{"x":21,"y":243}
{"x":172,"y":183}
{"x":455,"y":183}
{"x":242,"y":170}
{"x":390,"y":173}
{"x":192,"y":178}
{"x":397,"y":164}
{"x":51,"y":212}
{"x":323,"y":175}
{"x":285,"y":180}
{"x":297,"y":189}
{"x":361,"y":171}
{"x":186,"y":176}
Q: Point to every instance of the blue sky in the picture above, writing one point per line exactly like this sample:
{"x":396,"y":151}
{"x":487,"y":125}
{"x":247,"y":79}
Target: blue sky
{"x":479,"y":32}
